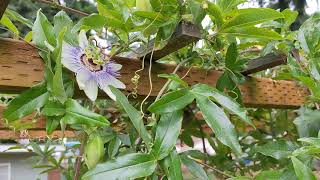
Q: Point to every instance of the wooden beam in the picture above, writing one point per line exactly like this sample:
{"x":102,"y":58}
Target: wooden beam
{"x":36,"y":128}
{"x":21,"y":67}
{"x":3,"y":6}
{"x":185,"y":34}
{"x":265,"y":62}
{"x":30,"y":121}
{"x":34,"y":134}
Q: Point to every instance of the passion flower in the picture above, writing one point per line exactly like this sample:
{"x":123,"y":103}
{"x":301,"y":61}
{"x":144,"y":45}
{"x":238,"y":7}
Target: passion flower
{"x":93,"y":67}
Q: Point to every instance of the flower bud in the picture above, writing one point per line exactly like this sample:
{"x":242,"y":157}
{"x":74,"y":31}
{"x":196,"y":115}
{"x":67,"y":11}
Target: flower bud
{"x":94,"y":150}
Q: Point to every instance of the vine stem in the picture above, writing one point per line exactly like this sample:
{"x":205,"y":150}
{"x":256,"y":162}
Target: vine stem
{"x":203,"y":141}
{"x":164,"y":87}
{"x":63,"y":7}
{"x":150,"y":82}
{"x":212,"y":168}
{"x":79,"y":158}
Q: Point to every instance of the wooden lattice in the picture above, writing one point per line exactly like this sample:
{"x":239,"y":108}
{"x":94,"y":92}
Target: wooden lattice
{"x":21,"y":67}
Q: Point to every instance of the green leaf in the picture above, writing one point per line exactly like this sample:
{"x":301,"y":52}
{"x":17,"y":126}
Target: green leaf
{"x":240,"y":178}
{"x":96,"y":21}
{"x":295,"y":68}
{"x":113,"y":147}
{"x":175,"y":78}
{"x":308,"y":123}
{"x":312,"y":84}
{"x":197,"y":11}
{"x":288,"y":173}
{"x":269,"y":175}
{"x":302,"y":171}
{"x":253,"y":32}
{"x":133,"y":114}
{"x":218,"y":121}
{"x":26,"y":103}
{"x":228,"y":5}
{"x":17,"y":17}
{"x":52,"y":122}
{"x":277,"y":149}
{"x":48,"y":73}
{"x":172,"y":101}
{"x":157,"y":17}
{"x":231,"y":56}
{"x":306,"y":150}
{"x":231,"y":105}
{"x":76,"y":114}
{"x":43,"y":30}
{"x":115,"y":9}
{"x":195,"y":169}
{"x":186,"y":139}
{"x":289,"y":16}
{"x":57,"y":87}
{"x":311,"y":140}
{"x":215,"y":13}
{"x":225,"y":82}
{"x":308,"y":35}
{"x":251,"y":17}
{"x":303,"y":41}
{"x":167,"y":133}
{"x":5,"y":21}
{"x":143,"y":5}
{"x":175,"y":172}
{"x":28,"y":37}
{"x":62,"y":20}
{"x":129,"y":166}
{"x":52,"y":108}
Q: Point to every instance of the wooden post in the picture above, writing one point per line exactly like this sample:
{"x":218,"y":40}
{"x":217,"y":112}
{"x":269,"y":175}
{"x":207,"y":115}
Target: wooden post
{"x":54,"y":175}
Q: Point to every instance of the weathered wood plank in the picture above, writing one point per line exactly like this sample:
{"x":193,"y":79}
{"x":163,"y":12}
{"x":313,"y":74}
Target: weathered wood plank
{"x":265,"y":62}
{"x":3,"y":6}
{"x":34,"y":134}
{"x":36,"y":128}
{"x":185,"y":34}
{"x":21,"y":67}
{"x":30,"y":121}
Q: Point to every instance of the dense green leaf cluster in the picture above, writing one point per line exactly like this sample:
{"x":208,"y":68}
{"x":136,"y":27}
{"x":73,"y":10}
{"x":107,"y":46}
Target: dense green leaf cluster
{"x":147,"y":145}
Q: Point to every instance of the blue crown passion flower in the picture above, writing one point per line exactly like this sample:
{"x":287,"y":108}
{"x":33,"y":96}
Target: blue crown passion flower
{"x":92,"y":66}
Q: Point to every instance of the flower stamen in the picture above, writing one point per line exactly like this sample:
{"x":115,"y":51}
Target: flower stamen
{"x":90,"y":64}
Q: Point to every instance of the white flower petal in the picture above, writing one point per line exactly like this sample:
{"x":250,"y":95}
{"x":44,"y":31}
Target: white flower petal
{"x":115,"y":67}
{"x":107,"y":90}
{"x":70,"y":57}
{"x":116,"y":83}
{"x":83,"y":41}
{"x":91,"y":89}
{"x":83,"y":75}
{"x":110,"y":80}
{"x":107,"y":80}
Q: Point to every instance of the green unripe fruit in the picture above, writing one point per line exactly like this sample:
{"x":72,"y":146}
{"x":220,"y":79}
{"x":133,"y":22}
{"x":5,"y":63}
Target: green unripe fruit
{"x":94,"y":150}
{"x":143,"y":5}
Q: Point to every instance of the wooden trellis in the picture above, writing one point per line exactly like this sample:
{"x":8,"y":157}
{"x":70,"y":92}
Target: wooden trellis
{"x":21,"y":67}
